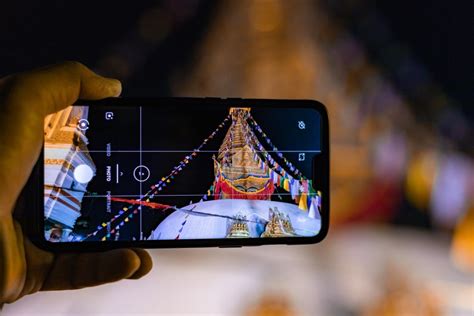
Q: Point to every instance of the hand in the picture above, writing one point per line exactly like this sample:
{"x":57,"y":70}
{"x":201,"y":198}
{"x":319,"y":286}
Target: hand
{"x":25,"y":99}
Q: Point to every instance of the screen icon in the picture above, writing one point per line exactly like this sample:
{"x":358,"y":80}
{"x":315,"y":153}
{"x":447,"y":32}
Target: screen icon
{"x":83,"y":124}
{"x":83,"y":173}
{"x":301,"y":156}
{"x":141,"y":173}
{"x":301,"y":125}
{"x":109,"y":116}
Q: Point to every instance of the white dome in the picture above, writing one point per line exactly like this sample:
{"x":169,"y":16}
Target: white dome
{"x":210,"y":219}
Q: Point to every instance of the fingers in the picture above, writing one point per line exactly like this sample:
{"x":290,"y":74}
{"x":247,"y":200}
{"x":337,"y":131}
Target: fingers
{"x":75,"y":271}
{"x":38,"y":265}
{"x":25,"y":100}
{"x":12,"y":260}
{"x":52,"y":88}
{"x":146,"y":264}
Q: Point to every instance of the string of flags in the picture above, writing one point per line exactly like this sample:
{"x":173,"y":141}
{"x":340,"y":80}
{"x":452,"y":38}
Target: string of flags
{"x":182,"y":226}
{"x":129,"y":210}
{"x":269,"y":160}
{"x":288,"y":163}
{"x":300,"y":188}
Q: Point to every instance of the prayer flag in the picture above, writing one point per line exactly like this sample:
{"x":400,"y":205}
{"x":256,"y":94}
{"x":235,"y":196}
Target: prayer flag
{"x":304,"y":183}
{"x":303,"y":204}
{"x":275,"y":177}
{"x":282,"y":182}
{"x":310,"y":187}
{"x":294,"y":189}
{"x":312,"y":209}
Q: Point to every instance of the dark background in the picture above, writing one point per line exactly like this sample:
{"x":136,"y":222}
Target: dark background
{"x":34,"y":34}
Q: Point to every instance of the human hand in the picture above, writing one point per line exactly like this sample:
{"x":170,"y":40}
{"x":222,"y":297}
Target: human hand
{"x":25,"y":99}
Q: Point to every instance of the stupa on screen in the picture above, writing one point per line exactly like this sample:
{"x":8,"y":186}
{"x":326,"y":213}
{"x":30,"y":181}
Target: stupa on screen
{"x":239,"y":203}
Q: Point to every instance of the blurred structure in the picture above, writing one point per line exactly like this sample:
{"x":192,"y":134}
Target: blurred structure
{"x":294,"y":50}
{"x":387,"y":165}
{"x":280,"y":51}
{"x":400,"y":296}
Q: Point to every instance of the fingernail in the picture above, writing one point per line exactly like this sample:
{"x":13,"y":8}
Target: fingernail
{"x":115,"y":86}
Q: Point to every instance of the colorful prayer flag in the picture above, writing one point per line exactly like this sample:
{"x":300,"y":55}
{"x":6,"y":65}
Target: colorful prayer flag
{"x":303,"y":204}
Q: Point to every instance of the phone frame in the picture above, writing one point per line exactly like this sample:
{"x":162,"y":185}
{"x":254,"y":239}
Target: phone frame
{"x":320,"y":177}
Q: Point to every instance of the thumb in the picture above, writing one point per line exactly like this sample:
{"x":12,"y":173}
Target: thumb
{"x":79,"y":270}
{"x":25,"y":100}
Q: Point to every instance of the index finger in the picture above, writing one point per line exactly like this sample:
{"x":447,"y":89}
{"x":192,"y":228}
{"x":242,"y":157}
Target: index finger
{"x":52,"y":88}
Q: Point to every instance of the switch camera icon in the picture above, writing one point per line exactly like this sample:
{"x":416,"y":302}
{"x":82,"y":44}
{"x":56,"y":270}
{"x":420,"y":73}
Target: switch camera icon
{"x":109,"y":116}
{"x":301,"y":157}
{"x":83,"y":125}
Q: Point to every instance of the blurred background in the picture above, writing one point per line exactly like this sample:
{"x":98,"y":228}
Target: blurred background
{"x":397,"y":80}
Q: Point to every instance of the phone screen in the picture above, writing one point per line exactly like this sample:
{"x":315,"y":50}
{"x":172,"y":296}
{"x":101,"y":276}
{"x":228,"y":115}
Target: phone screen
{"x":127,"y":173}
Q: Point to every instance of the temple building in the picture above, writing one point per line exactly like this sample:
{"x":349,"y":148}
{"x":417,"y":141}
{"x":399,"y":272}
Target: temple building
{"x":65,"y":148}
{"x":238,"y":168}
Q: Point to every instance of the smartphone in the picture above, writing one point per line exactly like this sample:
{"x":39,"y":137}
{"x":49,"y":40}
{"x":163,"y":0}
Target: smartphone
{"x":183,"y":172}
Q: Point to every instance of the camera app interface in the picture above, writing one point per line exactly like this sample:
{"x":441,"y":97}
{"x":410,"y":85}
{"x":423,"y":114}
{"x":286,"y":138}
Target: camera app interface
{"x":157,"y":173}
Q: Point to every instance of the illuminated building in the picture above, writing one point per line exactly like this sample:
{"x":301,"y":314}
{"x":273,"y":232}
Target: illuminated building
{"x":237,"y":167}
{"x":65,"y":149}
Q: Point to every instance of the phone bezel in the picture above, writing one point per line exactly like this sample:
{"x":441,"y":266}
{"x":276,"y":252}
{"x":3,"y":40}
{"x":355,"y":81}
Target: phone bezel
{"x":36,"y":231}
